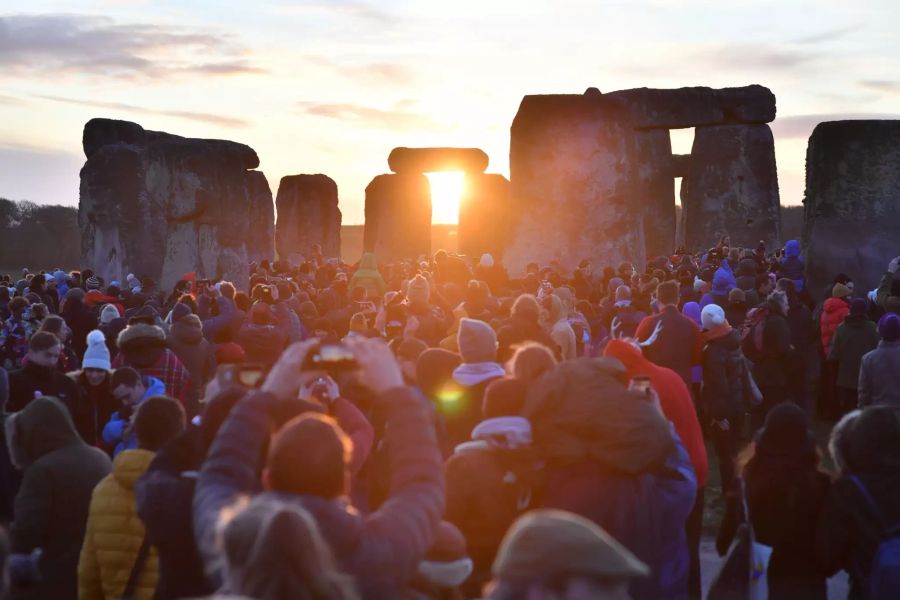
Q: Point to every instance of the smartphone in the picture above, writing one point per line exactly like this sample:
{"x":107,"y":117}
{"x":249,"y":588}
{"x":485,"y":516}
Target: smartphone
{"x":249,"y":375}
{"x":330,"y":357}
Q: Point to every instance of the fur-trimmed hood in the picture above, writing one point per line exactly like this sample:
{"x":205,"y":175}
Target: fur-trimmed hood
{"x":142,"y":344}
{"x":40,"y":428}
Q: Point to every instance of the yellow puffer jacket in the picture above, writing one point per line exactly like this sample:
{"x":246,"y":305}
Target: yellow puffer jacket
{"x":114,"y":535}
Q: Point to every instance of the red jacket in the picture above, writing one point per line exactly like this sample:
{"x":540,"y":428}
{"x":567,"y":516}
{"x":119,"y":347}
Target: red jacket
{"x":833,"y":312}
{"x":674,"y":398}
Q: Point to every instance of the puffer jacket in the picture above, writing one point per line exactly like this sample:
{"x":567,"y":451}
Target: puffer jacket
{"x":114,"y":535}
{"x":723,"y":373}
{"x":367,"y":276}
{"x":833,"y":312}
{"x":194,"y":351}
{"x":51,"y":508}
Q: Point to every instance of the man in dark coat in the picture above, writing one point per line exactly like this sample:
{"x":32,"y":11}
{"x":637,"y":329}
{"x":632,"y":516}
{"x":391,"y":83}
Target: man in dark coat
{"x":40,"y":377}
{"x":522,"y":326}
{"x":307,"y":465}
{"x":679,"y":344}
{"x":803,"y":339}
{"x":770,"y":369}
{"x":51,"y":508}
{"x":879,"y":372}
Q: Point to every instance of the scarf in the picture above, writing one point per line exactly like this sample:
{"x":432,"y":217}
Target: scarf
{"x":470,"y":374}
{"x":504,"y":432}
{"x":717,"y":332}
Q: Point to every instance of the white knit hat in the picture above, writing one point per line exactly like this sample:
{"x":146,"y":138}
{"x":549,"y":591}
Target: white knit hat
{"x":487,"y":261}
{"x":712,"y":315}
{"x":108,"y":313}
{"x":97,"y":354}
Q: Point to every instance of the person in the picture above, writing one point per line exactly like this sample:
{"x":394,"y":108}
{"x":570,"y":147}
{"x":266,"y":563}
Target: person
{"x":678,"y":345}
{"x":96,"y":402}
{"x":785,"y":491}
{"x":223,"y":325}
{"x":736,"y":309}
{"x":802,"y":367}
{"x":854,"y":338}
{"x":115,"y":542}
{"x":51,"y":507}
{"x":791,"y":266}
{"x":561,"y":331}
{"x":367,"y":276}
{"x":143,"y":348}
{"x":864,"y":501}
{"x":80,"y":319}
{"x":274,"y":550}
{"x":444,"y":569}
{"x":262,"y":336}
{"x":451,"y":269}
{"x":770,"y":364}
{"x":626,"y":317}
{"x":17,"y":329}
{"x":879,"y":370}
{"x":529,"y":361}
{"x":197,"y":354}
{"x":523,"y":325}
{"x":130,"y":391}
{"x":111,"y":324}
{"x":834,"y":310}
{"x":54,"y":324}
{"x":553,"y":554}
{"x":307,"y":463}
{"x":432,"y":323}
{"x":40,"y":375}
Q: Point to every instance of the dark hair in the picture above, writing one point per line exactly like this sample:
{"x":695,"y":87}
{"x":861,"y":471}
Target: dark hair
{"x":309,"y":455}
{"x":242,"y":301}
{"x":158,"y":420}
{"x":124,"y":376}
{"x":667,"y":292}
{"x":226,"y":288}
{"x":53,"y":324}
{"x":43,"y":340}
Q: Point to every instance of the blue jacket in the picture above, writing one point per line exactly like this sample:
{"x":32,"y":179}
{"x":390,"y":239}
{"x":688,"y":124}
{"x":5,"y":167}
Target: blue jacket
{"x":381,"y":550}
{"x":791,"y":266}
{"x":114,"y":431}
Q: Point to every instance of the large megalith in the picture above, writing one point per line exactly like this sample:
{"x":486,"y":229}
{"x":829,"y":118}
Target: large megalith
{"x":160,"y":205}
{"x":851,"y":213}
{"x":428,"y":160}
{"x":572,"y":172}
{"x":398,"y":217}
{"x":308,"y":214}
{"x":261,"y":234}
{"x":731,"y":187}
{"x":484,"y":215}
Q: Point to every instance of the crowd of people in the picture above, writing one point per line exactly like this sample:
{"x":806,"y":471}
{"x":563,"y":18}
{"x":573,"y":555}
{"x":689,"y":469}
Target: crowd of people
{"x":442,"y":429}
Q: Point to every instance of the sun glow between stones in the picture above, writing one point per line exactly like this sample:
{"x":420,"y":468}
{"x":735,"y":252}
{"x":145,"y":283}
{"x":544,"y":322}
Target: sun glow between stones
{"x":446,"y":191}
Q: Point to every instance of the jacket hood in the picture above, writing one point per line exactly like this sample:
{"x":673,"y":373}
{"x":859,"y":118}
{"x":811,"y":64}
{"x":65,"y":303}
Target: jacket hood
{"x":41,"y":427}
{"x":142,"y":344}
{"x":188,"y":330}
{"x":792,"y":249}
{"x":723,"y":282}
{"x":368,"y":262}
{"x":129,"y":465}
{"x":692,"y":311}
{"x":154,"y":386}
{"x":627,"y":354}
{"x":833,"y":305}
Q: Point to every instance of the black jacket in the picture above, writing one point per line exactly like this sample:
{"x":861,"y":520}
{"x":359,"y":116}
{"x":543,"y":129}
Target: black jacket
{"x":723,"y":373}
{"x":24,"y":382}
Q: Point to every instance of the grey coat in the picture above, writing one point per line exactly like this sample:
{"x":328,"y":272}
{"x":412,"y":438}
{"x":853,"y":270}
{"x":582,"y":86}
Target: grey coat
{"x":879,"y":375}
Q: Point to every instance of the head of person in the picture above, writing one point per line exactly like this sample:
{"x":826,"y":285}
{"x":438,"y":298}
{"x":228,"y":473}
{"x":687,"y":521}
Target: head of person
{"x":274,"y":550}
{"x":477,"y":341}
{"x":408,"y":353}
{"x":57,"y":326}
{"x":418,"y":291}
{"x":712,"y":316}
{"x":526,"y":308}
{"x":529,"y":361}
{"x":96,"y":364}
{"x":667,"y":293}
{"x":873,"y":442}
{"x":158,"y":420}
{"x":778,"y":301}
{"x":784,"y":439}
{"x":127,"y":386}
{"x":889,"y":327}
{"x":44,"y":349}
{"x":557,"y":555}
{"x":838,"y":441}
{"x":504,"y":397}
{"x":17,"y":306}
{"x":309,"y":455}
{"x":764,"y":285}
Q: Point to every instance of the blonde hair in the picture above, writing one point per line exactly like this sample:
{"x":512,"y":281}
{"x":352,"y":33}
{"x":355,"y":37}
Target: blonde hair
{"x":529,"y":361}
{"x":274,"y":550}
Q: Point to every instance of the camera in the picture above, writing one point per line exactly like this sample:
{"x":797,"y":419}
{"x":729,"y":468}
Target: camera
{"x":245,"y":375}
{"x":333,"y":358}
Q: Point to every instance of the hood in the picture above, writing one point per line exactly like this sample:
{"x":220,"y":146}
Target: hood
{"x":129,"y":465}
{"x":154,"y":386}
{"x":142,"y":344}
{"x":41,"y":427}
{"x":723,"y":282}
{"x":188,"y":330}
{"x":368,"y":262}
{"x":692,"y":311}
{"x":834,"y":305}
{"x":792,"y":249}
{"x":627,"y":354}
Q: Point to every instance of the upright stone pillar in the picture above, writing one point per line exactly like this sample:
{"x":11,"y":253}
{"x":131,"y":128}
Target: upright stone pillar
{"x":731,"y":188}
{"x":656,"y":189}
{"x":398,"y":217}
{"x":484,"y":215}
{"x":308,"y":214}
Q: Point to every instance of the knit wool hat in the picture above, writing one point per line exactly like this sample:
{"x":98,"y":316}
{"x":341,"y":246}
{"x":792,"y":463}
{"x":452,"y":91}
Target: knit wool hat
{"x":546,"y":544}
{"x":93,"y":283}
{"x":737,"y":295}
{"x":108,"y":313}
{"x":179,"y":311}
{"x":840,"y":291}
{"x":487,"y":261}
{"x":418,"y":289}
{"x":711,"y":316}
{"x":477,"y":341}
{"x":889,"y":327}
{"x":230,"y":353}
{"x":623,"y":292}
{"x":504,"y":397}
{"x":97,"y":354}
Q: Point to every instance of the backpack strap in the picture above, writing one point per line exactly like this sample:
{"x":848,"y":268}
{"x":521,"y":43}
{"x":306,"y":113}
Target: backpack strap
{"x":131,"y":586}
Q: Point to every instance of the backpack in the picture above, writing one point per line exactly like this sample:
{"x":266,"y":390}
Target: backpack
{"x":884,"y":576}
{"x":752,"y":333}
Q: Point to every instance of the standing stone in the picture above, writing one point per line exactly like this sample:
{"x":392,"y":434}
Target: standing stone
{"x":731,"y":188}
{"x":852,"y":205}
{"x":160,"y":205}
{"x":428,"y":160}
{"x":260,"y":244}
{"x":656,"y":189}
{"x":308,"y":214}
{"x":398,"y":217}
{"x":484,"y":215}
{"x":572,"y":167}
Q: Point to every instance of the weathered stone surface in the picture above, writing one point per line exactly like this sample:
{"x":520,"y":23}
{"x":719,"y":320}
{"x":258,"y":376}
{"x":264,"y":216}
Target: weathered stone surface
{"x":161,"y":205}
{"x":261,"y":240}
{"x":732,"y":187}
{"x":697,"y":106}
{"x":852,"y":204}
{"x":572,"y":162}
{"x":656,"y":189}
{"x":484,"y":215}
{"x":308,"y":214}
{"x":426,"y":160}
{"x":398,"y":217}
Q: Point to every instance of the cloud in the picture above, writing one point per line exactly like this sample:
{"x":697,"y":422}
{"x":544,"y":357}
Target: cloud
{"x":130,"y":108}
{"x":881,"y":85}
{"x":376,"y":73}
{"x":69,"y":44}
{"x":398,"y":119}
{"x":10,"y":101}
{"x":801,"y":126}
{"x":827,"y":36}
{"x":362,"y":11}
{"x":756,"y":56}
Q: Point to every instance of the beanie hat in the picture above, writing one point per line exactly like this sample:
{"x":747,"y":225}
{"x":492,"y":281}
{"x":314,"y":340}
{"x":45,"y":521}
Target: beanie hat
{"x":93,"y":283}
{"x":75,"y":294}
{"x":411,"y":349}
{"x":434,"y":369}
{"x":108,"y":313}
{"x":97,"y":354}
{"x":623,"y":293}
{"x":840,"y":291}
{"x":446,"y":564}
{"x":487,"y":261}
{"x":358,"y":324}
{"x":785,"y":431}
{"x":449,"y":544}
{"x":546,"y":544}
{"x":179,"y":311}
{"x":418,"y":289}
{"x":889,"y":327}
{"x":712,"y":315}
{"x":477,"y":341}
{"x":230,"y":353}
{"x":614,"y":284}
{"x":737,"y":295}
{"x":527,"y":307}
{"x":858,"y":307}
{"x":504,"y":397}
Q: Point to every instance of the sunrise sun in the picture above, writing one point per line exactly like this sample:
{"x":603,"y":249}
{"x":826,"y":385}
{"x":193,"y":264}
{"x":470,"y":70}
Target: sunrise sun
{"x":446,"y":190}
